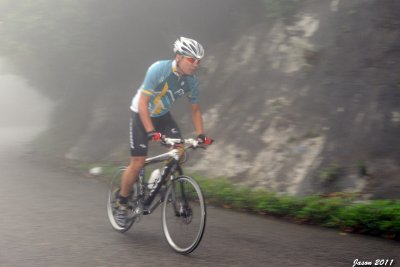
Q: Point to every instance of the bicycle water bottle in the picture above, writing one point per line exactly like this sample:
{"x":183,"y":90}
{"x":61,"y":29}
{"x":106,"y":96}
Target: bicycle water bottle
{"x":154,"y":179}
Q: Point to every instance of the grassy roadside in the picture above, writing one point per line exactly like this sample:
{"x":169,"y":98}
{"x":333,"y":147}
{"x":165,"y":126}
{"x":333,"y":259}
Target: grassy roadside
{"x":340,"y":210}
{"x":343,"y":211}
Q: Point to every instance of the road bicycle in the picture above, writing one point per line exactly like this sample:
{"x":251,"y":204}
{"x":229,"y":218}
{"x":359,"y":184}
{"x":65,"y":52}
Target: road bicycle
{"x":184,"y":208}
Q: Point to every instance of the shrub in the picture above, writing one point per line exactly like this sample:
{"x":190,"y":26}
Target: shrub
{"x":379,"y":217}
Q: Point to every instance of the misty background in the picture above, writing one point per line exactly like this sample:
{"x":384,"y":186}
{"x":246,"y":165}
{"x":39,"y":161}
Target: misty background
{"x":301,"y":96}
{"x":21,"y":105}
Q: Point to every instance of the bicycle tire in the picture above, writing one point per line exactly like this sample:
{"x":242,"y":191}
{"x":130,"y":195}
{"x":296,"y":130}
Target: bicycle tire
{"x":183,"y":208}
{"x":114,"y":188}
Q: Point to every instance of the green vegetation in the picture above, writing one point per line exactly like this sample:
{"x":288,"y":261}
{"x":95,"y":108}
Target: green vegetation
{"x":339,"y":210}
{"x":377,"y":217}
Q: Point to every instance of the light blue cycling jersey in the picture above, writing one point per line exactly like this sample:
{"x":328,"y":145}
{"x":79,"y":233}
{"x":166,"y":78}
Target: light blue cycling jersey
{"x":165,"y":85}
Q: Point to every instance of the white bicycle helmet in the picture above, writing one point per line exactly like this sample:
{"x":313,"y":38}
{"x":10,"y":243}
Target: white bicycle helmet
{"x":188,"y":47}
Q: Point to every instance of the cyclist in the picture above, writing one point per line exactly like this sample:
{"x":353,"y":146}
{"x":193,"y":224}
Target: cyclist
{"x":165,"y":81}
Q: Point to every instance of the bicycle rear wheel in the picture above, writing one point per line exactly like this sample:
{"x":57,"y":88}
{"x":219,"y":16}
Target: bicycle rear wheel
{"x":112,"y":197}
{"x":184,"y":215}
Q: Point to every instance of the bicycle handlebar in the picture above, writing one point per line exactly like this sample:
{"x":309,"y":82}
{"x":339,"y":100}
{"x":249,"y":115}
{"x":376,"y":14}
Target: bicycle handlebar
{"x":175,"y":141}
{"x":165,"y":141}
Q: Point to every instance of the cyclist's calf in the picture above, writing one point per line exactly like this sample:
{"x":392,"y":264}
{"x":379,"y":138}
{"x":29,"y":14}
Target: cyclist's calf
{"x":131,"y":174}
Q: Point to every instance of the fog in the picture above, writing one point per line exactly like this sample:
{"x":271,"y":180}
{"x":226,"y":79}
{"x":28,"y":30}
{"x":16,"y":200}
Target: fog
{"x":88,"y":58}
{"x":280,"y":73}
{"x":73,"y":52}
{"x":21,"y":105}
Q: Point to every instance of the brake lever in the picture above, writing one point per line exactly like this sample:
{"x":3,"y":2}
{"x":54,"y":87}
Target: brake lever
{"x":163,"y":142}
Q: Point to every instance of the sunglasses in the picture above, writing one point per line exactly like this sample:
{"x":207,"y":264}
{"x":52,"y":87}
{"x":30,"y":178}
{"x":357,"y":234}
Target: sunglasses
{"x":192,"y":60}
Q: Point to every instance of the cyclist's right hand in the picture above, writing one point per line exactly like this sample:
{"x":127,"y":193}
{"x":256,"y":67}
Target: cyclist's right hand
{"x":154,"y":136}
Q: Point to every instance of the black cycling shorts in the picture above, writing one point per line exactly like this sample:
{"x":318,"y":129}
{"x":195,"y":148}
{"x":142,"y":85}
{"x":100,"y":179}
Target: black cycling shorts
{"x":165,"y":124}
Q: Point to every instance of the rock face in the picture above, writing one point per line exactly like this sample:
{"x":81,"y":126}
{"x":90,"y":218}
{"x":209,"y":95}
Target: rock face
{"x":306,"y":104}
{"x":310,"y":105}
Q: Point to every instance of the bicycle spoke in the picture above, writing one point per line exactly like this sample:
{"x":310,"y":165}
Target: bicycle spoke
{"x":184,"y":215}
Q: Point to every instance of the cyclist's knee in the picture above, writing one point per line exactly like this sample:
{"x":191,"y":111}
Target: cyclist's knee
{"x":137,"y":162}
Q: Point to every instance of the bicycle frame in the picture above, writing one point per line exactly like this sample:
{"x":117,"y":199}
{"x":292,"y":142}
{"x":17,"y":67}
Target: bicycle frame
{"x":169,"y":169}
{"x":181,"y":196}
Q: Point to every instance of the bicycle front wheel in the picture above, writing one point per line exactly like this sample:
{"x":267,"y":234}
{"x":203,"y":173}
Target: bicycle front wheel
{"x":184,"y":215}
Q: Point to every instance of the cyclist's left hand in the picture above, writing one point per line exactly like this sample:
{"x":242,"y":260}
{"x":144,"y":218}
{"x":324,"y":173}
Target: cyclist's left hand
{"x":204,"y":140}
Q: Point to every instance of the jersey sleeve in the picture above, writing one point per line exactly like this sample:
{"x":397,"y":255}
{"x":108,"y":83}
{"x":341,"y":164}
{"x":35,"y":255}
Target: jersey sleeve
{"x":151,"y":79}
{"x":193,"y":94}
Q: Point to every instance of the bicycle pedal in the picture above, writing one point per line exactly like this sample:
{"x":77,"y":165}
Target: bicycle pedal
{"x":146,"y":212}
{"x":134,"y":213}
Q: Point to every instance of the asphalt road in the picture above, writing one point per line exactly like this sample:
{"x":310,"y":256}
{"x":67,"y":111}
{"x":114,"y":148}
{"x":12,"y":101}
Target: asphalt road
{"x":54,"y":218}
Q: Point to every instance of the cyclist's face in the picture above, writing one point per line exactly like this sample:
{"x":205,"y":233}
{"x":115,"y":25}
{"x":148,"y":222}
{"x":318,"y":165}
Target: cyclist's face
{"x":188,"y":65}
